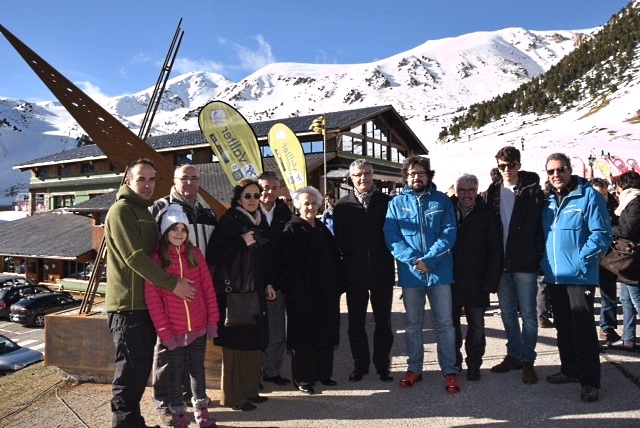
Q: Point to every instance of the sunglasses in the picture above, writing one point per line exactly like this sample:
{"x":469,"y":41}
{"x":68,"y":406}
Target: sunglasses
{"x":248,"y":196}
{"x":504,"y":166}
{"x":560,"y":170}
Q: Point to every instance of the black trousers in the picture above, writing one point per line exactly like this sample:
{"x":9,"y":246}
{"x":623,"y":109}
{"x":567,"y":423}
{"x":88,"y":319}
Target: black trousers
{"x":475,"y":341}
{"x":577,"y":335}
{"x":134,"y":338}
{"x":311,"y":365}
{"x":357,"y":303}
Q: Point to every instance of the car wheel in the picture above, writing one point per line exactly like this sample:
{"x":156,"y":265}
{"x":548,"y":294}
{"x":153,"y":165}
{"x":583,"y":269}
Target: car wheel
{"x":38,"y":321}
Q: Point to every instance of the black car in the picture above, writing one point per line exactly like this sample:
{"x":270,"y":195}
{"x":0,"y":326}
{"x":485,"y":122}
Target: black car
{"x":6,"y":280}
{"x":31,"y":310}
{"x":10,"y":294}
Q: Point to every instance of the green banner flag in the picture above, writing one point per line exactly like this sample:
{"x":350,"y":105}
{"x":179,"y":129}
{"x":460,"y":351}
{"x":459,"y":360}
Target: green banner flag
{"x":288,"y":153}
{"x":232,"y":140}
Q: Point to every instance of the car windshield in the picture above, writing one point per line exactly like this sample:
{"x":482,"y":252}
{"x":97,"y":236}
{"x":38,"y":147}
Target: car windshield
{"x":7,"y":345}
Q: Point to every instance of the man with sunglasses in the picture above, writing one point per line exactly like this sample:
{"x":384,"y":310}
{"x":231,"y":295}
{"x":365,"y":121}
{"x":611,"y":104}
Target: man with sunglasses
{"x":577,"y":232}
{"x":202,"y":220}
{"x":275,"y":215}
{"x":516,"y":199}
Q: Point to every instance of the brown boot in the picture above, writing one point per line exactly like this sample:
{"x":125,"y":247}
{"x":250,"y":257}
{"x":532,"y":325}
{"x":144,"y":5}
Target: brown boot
{"x":508,"y":363}
{"x":529,"y":375}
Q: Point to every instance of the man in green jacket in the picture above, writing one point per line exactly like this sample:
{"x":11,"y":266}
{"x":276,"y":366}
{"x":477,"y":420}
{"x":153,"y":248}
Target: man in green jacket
{"x":131,"y":233}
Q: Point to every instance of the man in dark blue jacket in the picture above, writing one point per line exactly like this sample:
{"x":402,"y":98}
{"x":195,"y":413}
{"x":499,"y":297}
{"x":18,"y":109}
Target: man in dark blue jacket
{"x":577,"y":232}
{"x":516,"y":200}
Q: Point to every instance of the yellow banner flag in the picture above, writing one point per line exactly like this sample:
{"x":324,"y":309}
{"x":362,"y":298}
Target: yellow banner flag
{"x":289,"y":155}
{"x":232,"y":140}
{"x":318,"y":125}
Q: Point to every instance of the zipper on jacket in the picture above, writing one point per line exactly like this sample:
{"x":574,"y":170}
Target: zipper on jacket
{"x":422,"y":239}
{"x":184,"y":302}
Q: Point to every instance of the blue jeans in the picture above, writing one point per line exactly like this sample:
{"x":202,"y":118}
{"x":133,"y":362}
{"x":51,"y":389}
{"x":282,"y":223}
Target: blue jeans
{"x":440,"y":303}
{"x":517,"y":291}
{"x":630,"y":300}
{"x":608,"y":304}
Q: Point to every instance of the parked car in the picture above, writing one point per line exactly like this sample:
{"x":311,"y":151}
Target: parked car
{"x":10,"y":294}
{"x":14,"y":280}
{"x":31,"y":310}
{"x":14,"y":357}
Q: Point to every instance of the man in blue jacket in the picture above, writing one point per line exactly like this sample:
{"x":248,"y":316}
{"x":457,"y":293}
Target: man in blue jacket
{"x":420,"y":230}
{"x":577,"y":232}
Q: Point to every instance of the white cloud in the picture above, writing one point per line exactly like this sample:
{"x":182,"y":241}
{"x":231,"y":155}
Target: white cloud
{"x":186,"y":65}
{"x":255,"y":59}
{"x":93,"y":91}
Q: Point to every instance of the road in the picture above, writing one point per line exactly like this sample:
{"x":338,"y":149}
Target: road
{"x":27,"y":337}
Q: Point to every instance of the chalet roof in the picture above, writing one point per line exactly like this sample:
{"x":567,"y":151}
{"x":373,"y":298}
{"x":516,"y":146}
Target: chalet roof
{"x":335,"y":121}
{"x":40,"y":236}
{"x":212,"y":179}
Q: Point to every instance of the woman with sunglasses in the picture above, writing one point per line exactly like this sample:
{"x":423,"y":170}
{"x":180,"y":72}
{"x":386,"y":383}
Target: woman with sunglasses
{"x":235,"y":252}
{"x":309,"y":277}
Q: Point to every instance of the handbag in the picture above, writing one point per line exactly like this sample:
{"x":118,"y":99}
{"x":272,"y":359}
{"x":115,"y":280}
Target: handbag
{"x":242,"y":309}
{"x":623,"y":260}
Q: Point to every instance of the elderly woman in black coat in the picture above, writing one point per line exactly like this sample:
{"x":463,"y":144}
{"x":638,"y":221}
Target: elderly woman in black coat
{"x":235,"y":253}
{"x":311,"y":285}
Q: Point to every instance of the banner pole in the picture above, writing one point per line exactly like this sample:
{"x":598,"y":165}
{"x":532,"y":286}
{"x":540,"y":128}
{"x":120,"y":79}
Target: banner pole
{"x":324,"y":152}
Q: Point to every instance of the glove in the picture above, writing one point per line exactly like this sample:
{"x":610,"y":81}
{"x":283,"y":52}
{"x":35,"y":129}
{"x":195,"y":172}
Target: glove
{"x":212,"y":331}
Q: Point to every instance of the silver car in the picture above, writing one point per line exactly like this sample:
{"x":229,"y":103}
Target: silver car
{"x":14,"y":357}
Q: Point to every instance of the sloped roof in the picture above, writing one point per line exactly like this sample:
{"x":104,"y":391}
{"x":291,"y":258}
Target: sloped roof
{"x":335,"y":121}
{"x":212,"y":179}
{"x":41,"y":236}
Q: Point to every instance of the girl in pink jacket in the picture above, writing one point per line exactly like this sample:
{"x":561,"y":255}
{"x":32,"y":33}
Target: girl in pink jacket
{"x":183,"y":326}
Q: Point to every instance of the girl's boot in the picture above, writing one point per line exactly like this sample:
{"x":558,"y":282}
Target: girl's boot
{"x":179,"y":416}
{"x":201,"y":413}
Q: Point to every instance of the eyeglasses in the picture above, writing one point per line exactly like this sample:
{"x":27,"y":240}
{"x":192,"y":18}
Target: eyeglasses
{"x":560,"y":170}
{"x":469,"y":190}
{"x":504,"y":166}
{"x":248,"y":196}
{"x":417,"y":174}
{"x":192,"y":179}
{"x":360,"y":174}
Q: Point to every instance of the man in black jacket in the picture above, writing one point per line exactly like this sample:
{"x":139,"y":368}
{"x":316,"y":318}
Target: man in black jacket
{"x":517,"y":200}
{"x":275,"y":214}
{"x":477,"y":266}
{"x":367,"y":265}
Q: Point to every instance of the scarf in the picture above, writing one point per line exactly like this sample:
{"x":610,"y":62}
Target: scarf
{"x":253,"y":217}
{"x":626,"y":196}
{"x":365,"y":198}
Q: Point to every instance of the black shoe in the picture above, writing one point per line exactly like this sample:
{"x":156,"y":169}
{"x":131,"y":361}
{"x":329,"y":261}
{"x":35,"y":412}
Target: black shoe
{"x":561,"y":378}
{"x":328,"y":382}
{"x":245,"y":407}
{"x":278,"y":380}
{"x":356,"y":375}
{"x":306,"y":388}
{"x":258,"y":399}
{"x":473,"y":373}
{"x":589,"y":394}
{"x":385,"y":376}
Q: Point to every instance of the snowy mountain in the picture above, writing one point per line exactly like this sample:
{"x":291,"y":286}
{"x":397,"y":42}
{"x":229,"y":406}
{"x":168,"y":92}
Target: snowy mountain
{"x":427,"y":85}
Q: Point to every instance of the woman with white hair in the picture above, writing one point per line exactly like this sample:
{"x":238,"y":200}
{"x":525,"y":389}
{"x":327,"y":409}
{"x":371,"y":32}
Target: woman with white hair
{"x":311,"y":285}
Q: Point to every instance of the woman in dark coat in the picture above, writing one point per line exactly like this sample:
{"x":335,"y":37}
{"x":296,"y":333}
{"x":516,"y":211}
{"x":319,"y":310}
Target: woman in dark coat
{"x":628,"y":188}
{"x":477,"y":266}
{"x":234,"y":251}
{"x":310,"y":282}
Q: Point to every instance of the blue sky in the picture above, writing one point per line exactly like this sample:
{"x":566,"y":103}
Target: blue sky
{"x":116,"y":47}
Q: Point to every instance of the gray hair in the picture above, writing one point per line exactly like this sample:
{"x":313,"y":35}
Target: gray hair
{"x":560,"y":157}
{"x":360,"y":163}
{"x":467,"y":178}
{"x":309,"y":190}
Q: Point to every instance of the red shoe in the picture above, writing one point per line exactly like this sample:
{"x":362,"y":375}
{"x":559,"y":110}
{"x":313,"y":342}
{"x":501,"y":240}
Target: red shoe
{"x":453,"y":384}
{"x":409,"y":379}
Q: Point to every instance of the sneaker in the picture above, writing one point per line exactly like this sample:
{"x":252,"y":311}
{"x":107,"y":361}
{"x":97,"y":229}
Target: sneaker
{"x":453,"y":383}
{"x":561,"y":378}
{"x":409,"y":379}
{"x":545,"y":324}
{"x":473,"y":373}
{"x":529,"y":375}
{"x":610,"y":337}
{"x":179,"y":420}
{"x":201,"y":413}
{"x":508,"y":363}
{"x":623,"y":344}
{"x":589,"y":394}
